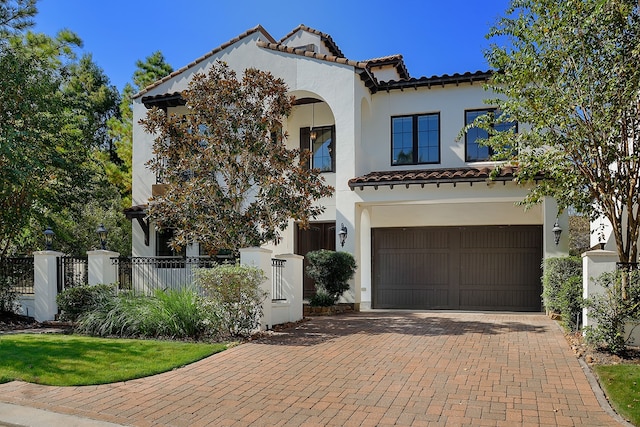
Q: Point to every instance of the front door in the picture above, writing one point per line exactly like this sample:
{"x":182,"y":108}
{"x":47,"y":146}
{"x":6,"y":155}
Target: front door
{"x":319,"y":235}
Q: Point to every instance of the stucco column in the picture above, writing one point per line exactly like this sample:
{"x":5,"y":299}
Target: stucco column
{"x":101,"y":268}
{"x":292,"y":283}
{"x":45,"y":284}
{"x":363,"y":279}
{"x":261,"y":258}
{"x":594,"y":263}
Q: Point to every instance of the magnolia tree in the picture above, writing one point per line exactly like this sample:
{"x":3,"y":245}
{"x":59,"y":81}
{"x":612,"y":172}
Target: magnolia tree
{"x":231,"y":180}
{"x":570,"y":72}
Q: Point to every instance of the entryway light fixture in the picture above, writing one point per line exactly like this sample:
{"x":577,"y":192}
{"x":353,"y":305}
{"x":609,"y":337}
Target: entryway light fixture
{"x":48,"y":238}
{"x":312,"y":133}
{"x":342,"y":234}
{"x":557,"y":231}
{"x":102,"y":235}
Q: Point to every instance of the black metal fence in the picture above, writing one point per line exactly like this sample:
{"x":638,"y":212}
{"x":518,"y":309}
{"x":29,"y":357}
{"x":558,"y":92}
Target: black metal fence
{"x":146,"y":274}
{"x":18,"y":272}
{"x":277,"y":269}
{"x":72,"y":272}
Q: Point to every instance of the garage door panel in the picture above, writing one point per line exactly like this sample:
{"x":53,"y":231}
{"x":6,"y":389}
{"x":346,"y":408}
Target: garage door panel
{"x":399,"y":268}
{"x":497,"y":268}
{"x":424,"y":297}
{"x":499,"y":299}
{"x":472,"y":268}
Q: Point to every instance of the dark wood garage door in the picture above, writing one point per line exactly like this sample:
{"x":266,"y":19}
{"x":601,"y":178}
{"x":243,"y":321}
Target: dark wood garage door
{"x":466,"y":268}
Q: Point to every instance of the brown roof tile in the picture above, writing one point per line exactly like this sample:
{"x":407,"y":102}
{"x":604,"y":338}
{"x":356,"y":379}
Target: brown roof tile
{"x":326,"y":38}
{"x":431,"y":176}
{"x":396,"y":60}
{"x":258,"y":28}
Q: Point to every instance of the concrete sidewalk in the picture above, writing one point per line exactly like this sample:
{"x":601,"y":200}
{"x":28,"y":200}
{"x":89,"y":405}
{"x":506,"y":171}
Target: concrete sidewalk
{"x":362,"y":369}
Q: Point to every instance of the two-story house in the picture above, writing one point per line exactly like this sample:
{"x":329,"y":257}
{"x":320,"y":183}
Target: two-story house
{"x":427,"y":227}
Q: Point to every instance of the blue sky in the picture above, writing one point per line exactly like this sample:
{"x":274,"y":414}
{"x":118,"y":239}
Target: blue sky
{"x":434,"y":37}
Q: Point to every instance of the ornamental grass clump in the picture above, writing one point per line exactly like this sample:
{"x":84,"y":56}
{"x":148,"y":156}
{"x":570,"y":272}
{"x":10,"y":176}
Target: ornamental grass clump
{"x":178,"y":314}
{"x":233,"y":293}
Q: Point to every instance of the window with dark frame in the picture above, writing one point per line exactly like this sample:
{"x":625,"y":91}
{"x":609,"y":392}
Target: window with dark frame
{"x":474,"y":151}
{"x":163,"y":237}
{"x":415,"y":139}
{"x":321,"y":142}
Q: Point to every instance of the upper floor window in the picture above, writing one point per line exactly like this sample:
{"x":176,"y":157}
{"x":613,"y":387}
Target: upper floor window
{"x":415,"y":139}
{"x":474,"y":151}
{"x":321,"y":142}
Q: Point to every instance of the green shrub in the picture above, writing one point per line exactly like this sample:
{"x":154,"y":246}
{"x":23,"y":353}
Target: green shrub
{"x":331,"y":271}
{"x":571,"y":302}
{"x":74,"y":302}
{"x":234,"y":296}
{"x":8,"y":296}
{"x":556,"y":272}
{"x":321,"y":299}
{"x":167,"y":314}
{"x":611,"y":312}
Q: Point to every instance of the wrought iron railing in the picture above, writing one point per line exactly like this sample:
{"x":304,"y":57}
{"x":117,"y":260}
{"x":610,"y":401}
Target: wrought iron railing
{"x":628,"y":266}
{"x":18,"y":272}
{"x":277,"y":269}
{"x":146,"y":274}
{"x":72,"y":272}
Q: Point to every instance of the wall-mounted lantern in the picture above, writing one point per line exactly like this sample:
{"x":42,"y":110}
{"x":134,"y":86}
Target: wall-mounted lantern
{"x":557,"y":231}
{"x":48,"y":238}
{"x":342,"y":234}
{"x":102,"y":235}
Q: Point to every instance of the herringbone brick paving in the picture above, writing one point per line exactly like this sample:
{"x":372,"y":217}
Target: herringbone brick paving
{"x":361,"y":369}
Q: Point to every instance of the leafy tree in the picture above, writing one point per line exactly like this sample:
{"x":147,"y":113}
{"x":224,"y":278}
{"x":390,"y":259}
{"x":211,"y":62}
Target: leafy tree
{"x":93,"y":100}
{"x":153,"y":68}
{"x":569,"y":71}
{"x":231,"y":180}
{"x":16,"y":15}
{"x":40,"y":151}
{"x":53,"y":130}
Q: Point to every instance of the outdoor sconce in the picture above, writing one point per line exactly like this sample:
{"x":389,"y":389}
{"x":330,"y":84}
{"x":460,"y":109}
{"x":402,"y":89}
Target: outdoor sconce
{"x":557,"y":231}
{"x":342,"y":234}
{"x":48,"y":238}
{"x":102,"y":235}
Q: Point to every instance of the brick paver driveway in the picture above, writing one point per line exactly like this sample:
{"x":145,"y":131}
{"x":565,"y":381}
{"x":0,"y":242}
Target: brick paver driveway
{"x":369,"y":368}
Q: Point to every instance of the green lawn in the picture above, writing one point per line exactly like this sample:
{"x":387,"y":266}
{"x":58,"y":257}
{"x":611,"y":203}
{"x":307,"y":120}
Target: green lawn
{"x":621,"y":384}
{"x":66,"y":360}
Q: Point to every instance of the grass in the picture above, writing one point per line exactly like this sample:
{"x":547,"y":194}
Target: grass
{"x":69,"y":360}
{"x":621,"y":384}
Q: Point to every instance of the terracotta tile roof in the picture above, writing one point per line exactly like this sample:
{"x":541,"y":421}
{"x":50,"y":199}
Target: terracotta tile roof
{"x":303,"y":52}
{"x":431,"y":176}
{"x":445,"y":79}
{"x":396,"y":60}
{"x":326,"y":38}
{"x":363,"y":68}
{"x":258,"y":28}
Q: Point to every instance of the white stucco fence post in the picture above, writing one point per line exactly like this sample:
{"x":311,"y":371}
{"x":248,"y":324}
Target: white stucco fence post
{"x":594,"y":263}
{"x":101,"y":268}
{"x":45,"y":284}
{"x":292,"y":284}
{"x":261,"y":258}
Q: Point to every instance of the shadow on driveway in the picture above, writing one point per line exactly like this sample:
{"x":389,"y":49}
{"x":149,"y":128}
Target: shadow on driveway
{"x":323,"y":329}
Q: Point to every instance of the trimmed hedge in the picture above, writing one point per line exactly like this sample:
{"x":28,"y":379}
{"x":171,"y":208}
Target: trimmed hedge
{"x":331,"y":271}
{"x":562,"y":289}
